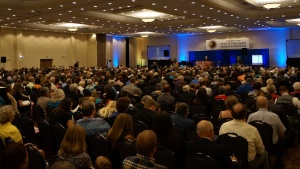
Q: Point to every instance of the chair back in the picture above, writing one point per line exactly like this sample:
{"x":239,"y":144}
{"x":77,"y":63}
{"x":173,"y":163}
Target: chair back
{"x":198,"y":117}
{"x":35,"y":159}
{"x":220,"y":103}
{"x":192,"y":135}
{"x":126,"y":148}
{"x":197,"y":110}
{"x":132,"y":110}
{"x":231,"y":140}
{"x":38,"y":112}
{"x":58,"y":133}
{"x":203,"y":160}
{"x":138,"y":127}
{"x":165,"y":157}
{"x":188,"y":101}
{"x":289,"y":110}
{"x":98,"y":146}
{"x":266,"y":133}
{"x":45,"y":134}
{"x":77,"y":115}
{"x":220,"y":123}
{"x":26,"y":128}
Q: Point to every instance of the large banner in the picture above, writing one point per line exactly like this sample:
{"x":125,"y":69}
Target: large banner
{"x":227,"y":44}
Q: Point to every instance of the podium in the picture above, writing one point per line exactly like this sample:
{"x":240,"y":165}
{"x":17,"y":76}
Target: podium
{"x":204,"y":64}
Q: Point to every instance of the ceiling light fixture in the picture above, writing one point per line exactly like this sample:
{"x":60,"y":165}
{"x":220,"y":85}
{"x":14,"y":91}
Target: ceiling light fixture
{"x":144,"y":35}
{"x":298,"y":24}
{"x":148,"y":19}
{"x":72,"y":29}
{"x":211,"y":30}
{"x":271,"y":5}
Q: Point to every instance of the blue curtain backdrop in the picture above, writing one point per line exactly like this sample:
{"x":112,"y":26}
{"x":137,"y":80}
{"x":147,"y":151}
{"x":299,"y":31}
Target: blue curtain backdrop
{"x":229,"y":57}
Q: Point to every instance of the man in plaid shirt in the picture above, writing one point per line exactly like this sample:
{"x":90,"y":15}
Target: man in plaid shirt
{"x":146,"y":146}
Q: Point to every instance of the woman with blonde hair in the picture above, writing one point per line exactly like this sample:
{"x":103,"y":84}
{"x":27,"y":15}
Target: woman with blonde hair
{"x":58,"y":96}
{"x":73,"y":147}
{"x":122,"y":129}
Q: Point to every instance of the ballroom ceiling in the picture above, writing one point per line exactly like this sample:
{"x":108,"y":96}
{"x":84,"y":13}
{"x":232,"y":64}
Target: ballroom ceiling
{"x":178,"y":17}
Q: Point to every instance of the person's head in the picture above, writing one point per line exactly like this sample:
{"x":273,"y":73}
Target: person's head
{"x":52,"y":79}
{"x":123,"y":125}
{"x":145,"y":98}
{"x":102,"y":163}
{"x":201,"y":94}
{"x":14,"y":156}
{"x":296,"y":86}
{"x":44,"y":91}
{"x":257,"y":86}
{"x":89,"y":82}
{"x":182,"y":109}
{"x":146,"y":143}
{"x":283,"y":89}
{"x":63,"y":165}
{"x":271,"y":88}
{"x":186,"y":88}
{"x":58,"y":95}
{"x":88,"y":108}
{"x":231,"y":101}
{"x":132,"y":80}
{"x":65,"y":104}
{"x":162,"y":125}
{"x":123,"y":104}
{"x":205,"y":129}
{"x":6,"y":114}
{"x":159,"y":86}
{"x":249,"y":81}
{"x":222,"y":89}
{"x":166,"y":88}
{"x":73,"y":142}
{"x":82,"y":83}
{"x":31,"y":79}
{"x":18,"y":88}
{"x":73,"y":87}
{"x":150,"y":104}
{"x":111,"y":94}
{"x":262,"y":102}
{"x":239,"y":111}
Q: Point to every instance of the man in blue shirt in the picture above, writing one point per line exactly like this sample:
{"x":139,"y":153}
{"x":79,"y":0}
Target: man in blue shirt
{"x":90,"y":124}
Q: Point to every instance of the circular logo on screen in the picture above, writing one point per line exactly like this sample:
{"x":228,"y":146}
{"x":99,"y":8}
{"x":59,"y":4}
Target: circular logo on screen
{"x":212,"y":44}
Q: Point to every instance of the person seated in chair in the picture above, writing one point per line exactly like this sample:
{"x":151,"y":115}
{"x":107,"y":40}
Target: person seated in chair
{"x":257,"y":156}
{"x":205,"y":145}
{"x":270,"y":118}
{"x":286,"y":98}
{"x":90,"y":124}
{"x":180,"y":118}
{"x":146,"y":143}
{"x":166,"y":97}
{"x":148,"y":114}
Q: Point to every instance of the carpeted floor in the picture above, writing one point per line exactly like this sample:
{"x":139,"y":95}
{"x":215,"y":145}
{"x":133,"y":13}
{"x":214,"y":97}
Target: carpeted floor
{"x":292,"y":157}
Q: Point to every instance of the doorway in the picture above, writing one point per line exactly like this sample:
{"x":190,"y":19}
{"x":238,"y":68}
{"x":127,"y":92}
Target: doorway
{"x":45,"y":63}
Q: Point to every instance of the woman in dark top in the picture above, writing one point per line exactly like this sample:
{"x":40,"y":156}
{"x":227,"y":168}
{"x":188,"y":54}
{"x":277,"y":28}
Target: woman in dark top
{"x":168,"y":135}
{"x":23,"y":103}
{"x":202,"y":99}
{"x":62,"y":114}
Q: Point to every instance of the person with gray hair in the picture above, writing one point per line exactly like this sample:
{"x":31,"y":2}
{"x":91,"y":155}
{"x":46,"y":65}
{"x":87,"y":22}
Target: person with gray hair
{"x":89,"y":85}
{"x":222,"y":93}
{"x":296,"y":92}
{"x":7,"y":115}
{"x":90,"y":124}
{"x":52,"y":82}
{"x":58,"y":96}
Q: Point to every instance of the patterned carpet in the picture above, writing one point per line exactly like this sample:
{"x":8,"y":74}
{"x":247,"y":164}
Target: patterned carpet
{"x":292,"y":157}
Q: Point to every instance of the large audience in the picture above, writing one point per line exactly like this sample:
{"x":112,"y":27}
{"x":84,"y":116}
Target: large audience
{"x":171,"y":103}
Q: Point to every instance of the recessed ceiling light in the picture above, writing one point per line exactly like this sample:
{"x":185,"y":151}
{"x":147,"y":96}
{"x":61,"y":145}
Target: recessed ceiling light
{"x":153,"y":4}
{"x":7,"y":18}
{"x":74,"y":2}
{"x":70,"y":11}
{"x":175,"y":9}
{"x":61,"y":5}
{"x":9,"y":9}
{"x":109,"y":3}
{"x":32,"y":10}
{"x":60,"y":14}
{"x":13,"y":15}
{"x":167,"y":7}
{"x":95,"y":6}
{"x":82,"y":9}
{"x":49,"y":8}
{"x":104,"y":10}
{"x":74,"y":17}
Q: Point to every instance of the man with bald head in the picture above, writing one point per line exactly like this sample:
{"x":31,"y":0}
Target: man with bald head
{"x":257,"y":156}
{"x":269,"y":117}
{"x":205,"y":145}
{"x":146,"y":143}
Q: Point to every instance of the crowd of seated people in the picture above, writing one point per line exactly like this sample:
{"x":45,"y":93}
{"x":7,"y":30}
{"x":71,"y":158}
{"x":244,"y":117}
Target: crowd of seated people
{"x":111,"y":100}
